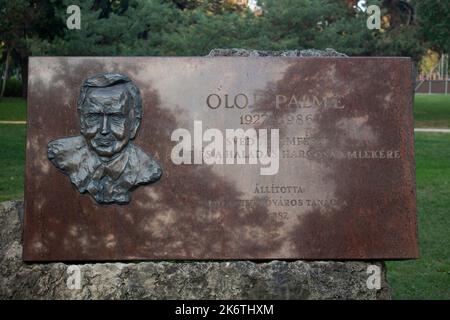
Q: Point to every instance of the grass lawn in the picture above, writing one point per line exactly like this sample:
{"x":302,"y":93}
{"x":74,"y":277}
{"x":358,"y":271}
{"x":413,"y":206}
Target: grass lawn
{"x":432,"y":111}
{"x":13,"y":109}
{"x":12,"y":160}
{"x":426,"y":278}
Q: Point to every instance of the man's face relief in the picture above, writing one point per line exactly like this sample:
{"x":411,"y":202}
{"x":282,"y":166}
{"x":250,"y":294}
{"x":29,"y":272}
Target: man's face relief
{"x":107,"y":120}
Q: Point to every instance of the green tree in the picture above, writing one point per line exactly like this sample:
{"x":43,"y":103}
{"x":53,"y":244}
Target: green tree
{"x":209,"y":6}
{"x":138,"y":30}
{"x":150,"y":27}
{"x":294,"y":24}
{"x":433,"y":17}
{"x":198,"y":33}
{"x":194,"y":27}
{"x":21,"y":20}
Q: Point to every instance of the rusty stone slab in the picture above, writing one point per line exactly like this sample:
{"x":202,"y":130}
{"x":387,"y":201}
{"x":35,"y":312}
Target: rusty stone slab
{"x":340,"y":184}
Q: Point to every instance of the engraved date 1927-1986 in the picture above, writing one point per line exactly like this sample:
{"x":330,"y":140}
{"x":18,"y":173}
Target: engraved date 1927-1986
{"x":286,"y":119}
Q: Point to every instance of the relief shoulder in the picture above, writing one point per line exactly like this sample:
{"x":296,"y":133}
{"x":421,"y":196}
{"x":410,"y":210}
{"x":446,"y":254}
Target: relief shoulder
{"x":147,"y":168}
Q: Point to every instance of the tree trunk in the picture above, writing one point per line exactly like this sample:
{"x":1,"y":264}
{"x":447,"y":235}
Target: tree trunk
{"x":5,"y":75}
{"x":24,"y":73}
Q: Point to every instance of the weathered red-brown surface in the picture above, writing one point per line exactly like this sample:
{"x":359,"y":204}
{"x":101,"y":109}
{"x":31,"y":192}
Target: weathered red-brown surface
{"x":345,"y":188}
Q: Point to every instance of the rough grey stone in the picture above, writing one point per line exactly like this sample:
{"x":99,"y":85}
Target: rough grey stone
{"x":177,"y":280}
{"x":286,"y":53}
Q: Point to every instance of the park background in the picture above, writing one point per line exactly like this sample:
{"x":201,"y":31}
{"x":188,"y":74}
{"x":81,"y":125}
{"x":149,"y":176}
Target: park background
{"x":415,"y":28}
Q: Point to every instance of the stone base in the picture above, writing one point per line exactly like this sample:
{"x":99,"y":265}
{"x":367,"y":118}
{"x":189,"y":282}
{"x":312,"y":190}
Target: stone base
{"x":237,"y":52}
{"x":177,"y":280}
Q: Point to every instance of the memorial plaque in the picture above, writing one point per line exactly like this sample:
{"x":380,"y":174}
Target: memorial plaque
{"x":219,"y":158}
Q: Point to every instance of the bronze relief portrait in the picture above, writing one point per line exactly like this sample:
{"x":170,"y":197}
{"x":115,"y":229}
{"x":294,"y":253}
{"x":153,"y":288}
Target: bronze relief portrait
{"x":103,"y":160}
